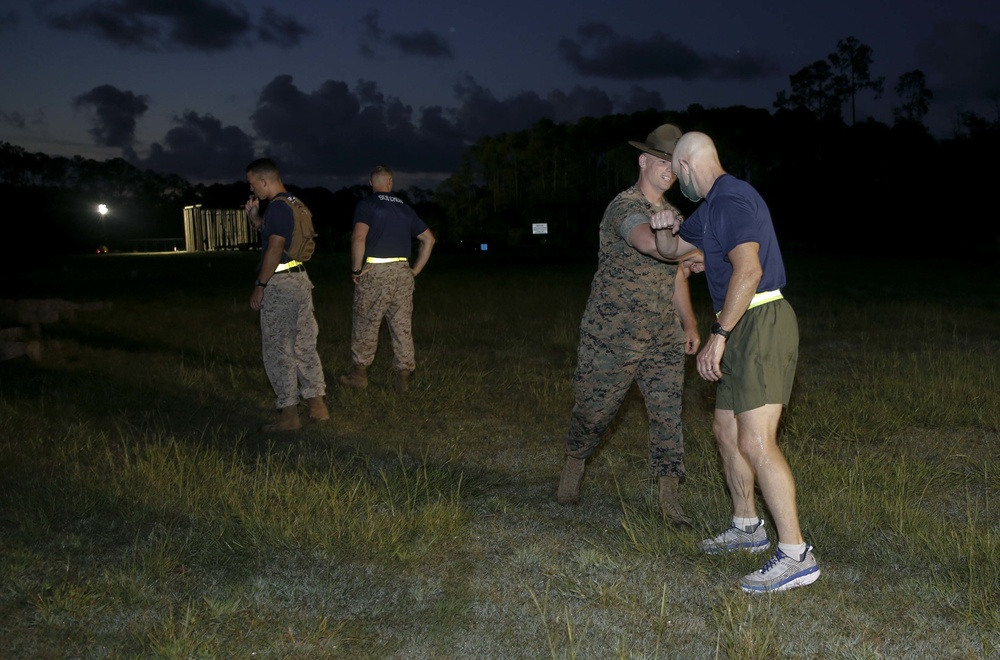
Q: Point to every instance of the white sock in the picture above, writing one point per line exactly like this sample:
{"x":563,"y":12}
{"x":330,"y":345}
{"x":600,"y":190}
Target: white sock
{"x":793,"y":550}
{"x":744,"y":523}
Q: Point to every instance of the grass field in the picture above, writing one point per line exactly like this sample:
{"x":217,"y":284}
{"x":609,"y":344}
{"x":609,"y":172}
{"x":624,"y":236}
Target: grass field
{"x":144,"y":515}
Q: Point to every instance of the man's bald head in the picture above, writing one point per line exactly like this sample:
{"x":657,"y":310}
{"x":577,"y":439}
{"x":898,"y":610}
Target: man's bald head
{"x":696,"y":164}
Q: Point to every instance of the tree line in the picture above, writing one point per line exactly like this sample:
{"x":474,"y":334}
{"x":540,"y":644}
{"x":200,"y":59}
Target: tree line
{"x":832,"y":182}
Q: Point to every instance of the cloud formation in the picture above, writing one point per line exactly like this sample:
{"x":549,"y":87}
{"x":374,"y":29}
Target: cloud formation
{"x":9,"y":21}
{"x":200,"y":148}
{"x":335,"y":134}
{"x":15,"y":119}
{"x":280,"y":30}
{"x":598,"y":51}
{"x":115,"y":113}
{"x":336,"y":131}
{"x":480,"y":113}
{"x":421,"y":44}
{"x":155,"y":25}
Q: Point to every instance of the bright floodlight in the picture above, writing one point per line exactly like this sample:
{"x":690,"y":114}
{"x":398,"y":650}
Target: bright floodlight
{"x":102,"y":209}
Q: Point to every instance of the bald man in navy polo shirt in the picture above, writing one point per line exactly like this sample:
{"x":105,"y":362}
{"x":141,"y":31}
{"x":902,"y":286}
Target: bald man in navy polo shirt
{"x":381,"y":246}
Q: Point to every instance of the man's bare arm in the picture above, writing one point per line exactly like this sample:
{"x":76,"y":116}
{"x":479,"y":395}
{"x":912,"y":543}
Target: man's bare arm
{"x":426,"y":239}
{"x":747,"y":272}
{"x":645,"y":240}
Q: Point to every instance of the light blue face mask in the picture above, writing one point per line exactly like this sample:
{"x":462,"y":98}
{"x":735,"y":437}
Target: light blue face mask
{"x":687,"y":187}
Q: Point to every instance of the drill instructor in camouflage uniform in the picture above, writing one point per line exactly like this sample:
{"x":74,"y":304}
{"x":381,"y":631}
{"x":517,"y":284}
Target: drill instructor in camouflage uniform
{"x":381,"y":245}
{"x":283,"y":296}
{"x":630,"y":331}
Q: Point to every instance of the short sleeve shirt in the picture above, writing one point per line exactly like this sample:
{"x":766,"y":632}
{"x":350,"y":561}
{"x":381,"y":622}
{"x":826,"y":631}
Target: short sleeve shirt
{"x":279,"y":218}
{"x":733,"y":213}
{"x":392,"y":225}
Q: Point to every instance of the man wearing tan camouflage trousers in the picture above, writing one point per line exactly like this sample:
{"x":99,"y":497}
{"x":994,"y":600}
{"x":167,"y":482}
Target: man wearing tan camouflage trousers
{"x":381,"y":245}
{"x":283,"y":296}
{"x":630,"y":331}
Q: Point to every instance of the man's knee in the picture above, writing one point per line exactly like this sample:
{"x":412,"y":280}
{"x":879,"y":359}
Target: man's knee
{"x":725,"y":428}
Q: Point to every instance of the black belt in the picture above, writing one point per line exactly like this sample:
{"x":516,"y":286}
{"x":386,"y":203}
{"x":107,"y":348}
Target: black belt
{"x":293,"y":269}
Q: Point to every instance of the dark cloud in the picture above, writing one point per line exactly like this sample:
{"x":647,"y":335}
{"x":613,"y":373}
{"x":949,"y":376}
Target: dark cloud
{"x":598,"y":51}
{"x":9,"y":21}
{"x":334,"y":135}
{"x":157,"y":25}
{"x":339,"y":132}
{"x":580,"y":102}
{"x":481,"y":113}
{"x":21,"y":121}
{"x":200,"y":148}
{"x":639,"y":99}
{"x":283,"y":31}
{"x":423,"y":43}
{"x":15,"y":119}
{"x":961,"y":60}
{"x":115,"y":114}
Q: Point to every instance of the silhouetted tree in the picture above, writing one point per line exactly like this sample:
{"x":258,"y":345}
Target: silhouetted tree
{"x":815,"y":88}
{"x":853,"y":61}
{"x":914,"y":97}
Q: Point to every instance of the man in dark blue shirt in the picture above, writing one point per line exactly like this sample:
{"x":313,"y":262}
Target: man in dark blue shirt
{"x":751,"y":353}
{"x":381,"y":246}
{"x":283,"y":296}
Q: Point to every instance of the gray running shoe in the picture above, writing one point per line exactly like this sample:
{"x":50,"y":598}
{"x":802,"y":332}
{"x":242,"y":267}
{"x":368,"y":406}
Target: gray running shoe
{"x":753,"y":539}
{"x":782,"y":572}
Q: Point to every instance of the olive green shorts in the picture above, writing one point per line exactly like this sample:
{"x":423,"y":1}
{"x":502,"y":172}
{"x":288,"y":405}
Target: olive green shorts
{"x":758,"y":366}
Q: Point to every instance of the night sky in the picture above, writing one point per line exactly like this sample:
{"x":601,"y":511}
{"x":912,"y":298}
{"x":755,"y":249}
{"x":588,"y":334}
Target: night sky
{"x":329,"y":89}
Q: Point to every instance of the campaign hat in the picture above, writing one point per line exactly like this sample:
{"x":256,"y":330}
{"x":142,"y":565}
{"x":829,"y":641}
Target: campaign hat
{"x":661,"y":142}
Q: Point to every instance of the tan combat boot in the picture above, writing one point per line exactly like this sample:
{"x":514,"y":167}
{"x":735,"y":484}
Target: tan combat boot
{"x":317,"y":409}
{"x":569,"y":482}
{"x":670,"y":502}
{"x":403,"y":381}
{"x":357,"y":379}
{"x":287,"y":421}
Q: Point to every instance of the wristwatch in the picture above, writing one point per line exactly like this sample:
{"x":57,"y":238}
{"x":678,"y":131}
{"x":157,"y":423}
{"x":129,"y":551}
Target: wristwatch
{"x":262,"y":285}
{"x":356,"y":273}
{"x":717,"y":329}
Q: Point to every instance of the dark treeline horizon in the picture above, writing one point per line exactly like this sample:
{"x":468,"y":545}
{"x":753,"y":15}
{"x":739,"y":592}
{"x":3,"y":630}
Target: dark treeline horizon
{"x":832,"y":188}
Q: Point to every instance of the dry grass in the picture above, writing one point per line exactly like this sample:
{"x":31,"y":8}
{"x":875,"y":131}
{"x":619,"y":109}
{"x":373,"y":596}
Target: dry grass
{"x":144,"y":514}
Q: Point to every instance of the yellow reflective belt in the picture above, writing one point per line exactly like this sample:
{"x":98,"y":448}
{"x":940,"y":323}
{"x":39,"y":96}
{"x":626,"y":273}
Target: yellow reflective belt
{"x":761,"y":298}
{"x":290,"y":264}
{"x":765,"y":297}
{"x":384,"y":260}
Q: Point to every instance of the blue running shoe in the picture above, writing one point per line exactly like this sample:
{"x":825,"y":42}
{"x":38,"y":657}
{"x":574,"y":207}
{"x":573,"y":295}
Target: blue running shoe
{"x":782,"y":573}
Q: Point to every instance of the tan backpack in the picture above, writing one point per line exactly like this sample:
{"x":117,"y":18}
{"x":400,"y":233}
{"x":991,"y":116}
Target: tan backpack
{"x":303,"y":236}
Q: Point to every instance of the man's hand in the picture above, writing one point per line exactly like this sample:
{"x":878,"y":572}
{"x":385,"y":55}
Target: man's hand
{"x":710,"y":359}
{"x":253,"y":211}
{"x":666,"y":220}
{"x":692,"y":340}
{"x":257,"y":298}
{"x":693,"y":262}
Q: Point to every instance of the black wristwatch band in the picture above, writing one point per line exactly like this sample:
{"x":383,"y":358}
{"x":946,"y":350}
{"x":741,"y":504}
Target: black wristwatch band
{"x":717,"y":329}
{"x":262,"y":285}
{"x":356,"y":272}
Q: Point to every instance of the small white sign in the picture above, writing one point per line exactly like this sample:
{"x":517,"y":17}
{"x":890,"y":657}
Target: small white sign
{"x":540,"y":228}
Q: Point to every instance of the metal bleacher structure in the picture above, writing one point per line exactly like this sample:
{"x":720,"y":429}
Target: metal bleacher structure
{"x":207,"y":230}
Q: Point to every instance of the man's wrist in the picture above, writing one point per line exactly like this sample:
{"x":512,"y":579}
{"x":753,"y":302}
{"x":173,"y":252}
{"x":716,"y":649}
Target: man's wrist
{"x":356,"y":272}
{"x":717,"y":329}
{"x":262,"y":285}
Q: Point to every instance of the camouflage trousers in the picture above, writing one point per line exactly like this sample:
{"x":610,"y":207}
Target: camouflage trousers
{"x":605,"y":372}
{"x":384,"y":291}
{"x":289,"y":331}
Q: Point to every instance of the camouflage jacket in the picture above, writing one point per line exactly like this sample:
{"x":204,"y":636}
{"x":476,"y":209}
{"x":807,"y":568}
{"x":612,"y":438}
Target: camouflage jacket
{"x":631,"y":296}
